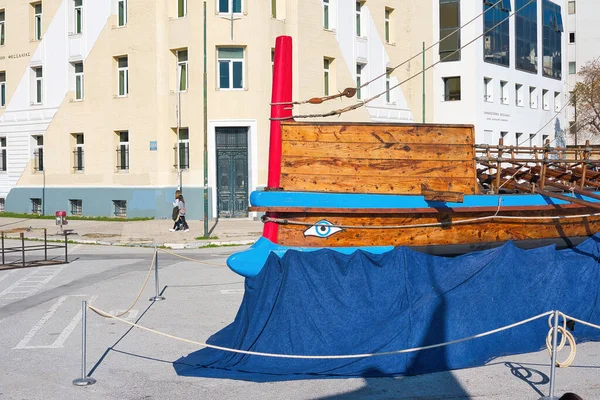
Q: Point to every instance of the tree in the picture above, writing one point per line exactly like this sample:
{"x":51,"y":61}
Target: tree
{"x":586,"y":98}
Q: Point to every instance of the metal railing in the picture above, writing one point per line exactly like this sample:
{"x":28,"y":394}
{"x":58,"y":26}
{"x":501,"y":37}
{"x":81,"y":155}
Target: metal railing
{"x":23,"y":249}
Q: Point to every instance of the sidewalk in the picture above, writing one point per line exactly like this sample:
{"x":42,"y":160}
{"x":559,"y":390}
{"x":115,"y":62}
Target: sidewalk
{"x":138,"y":233}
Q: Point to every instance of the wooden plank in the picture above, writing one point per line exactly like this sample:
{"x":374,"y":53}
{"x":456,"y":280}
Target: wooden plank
{"x":373,"y":184}
{"x":440,"y":152}
{"x":434,"y":195}
{"x":476,"y":232}
{"x":356,"y":167}
{"x":352,"y":133}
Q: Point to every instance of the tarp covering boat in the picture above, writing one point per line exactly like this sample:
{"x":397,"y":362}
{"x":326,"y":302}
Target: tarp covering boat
{"x":328,"y":303}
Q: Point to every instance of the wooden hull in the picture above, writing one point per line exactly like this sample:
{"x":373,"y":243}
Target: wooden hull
{"x":441,"y":229}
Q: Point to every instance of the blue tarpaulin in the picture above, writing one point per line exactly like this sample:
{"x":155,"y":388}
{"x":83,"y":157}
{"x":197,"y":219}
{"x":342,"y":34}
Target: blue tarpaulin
{"x":327,"y":303}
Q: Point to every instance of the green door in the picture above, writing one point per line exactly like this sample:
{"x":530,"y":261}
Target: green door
{"x":232,"y":172}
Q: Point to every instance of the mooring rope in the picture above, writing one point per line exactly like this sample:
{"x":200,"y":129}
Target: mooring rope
{"x":566,"y":336}
{"x":326,"y":357}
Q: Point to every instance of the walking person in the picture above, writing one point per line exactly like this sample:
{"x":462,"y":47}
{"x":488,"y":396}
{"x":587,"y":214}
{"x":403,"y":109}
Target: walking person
{"x":175,"y":215}
{"x":181,"y":205}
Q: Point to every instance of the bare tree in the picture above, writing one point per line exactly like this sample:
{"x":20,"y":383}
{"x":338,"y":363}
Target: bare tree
{"x":586,"y":98}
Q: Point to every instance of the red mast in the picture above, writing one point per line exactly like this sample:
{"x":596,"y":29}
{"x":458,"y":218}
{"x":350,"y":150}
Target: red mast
{"x":281,"y":93}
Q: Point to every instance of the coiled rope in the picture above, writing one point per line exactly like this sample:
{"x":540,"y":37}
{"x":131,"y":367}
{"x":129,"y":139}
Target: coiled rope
{"x":566,"y":336}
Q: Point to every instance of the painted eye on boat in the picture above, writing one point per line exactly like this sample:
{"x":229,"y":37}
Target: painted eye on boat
{"x":322,"y":229}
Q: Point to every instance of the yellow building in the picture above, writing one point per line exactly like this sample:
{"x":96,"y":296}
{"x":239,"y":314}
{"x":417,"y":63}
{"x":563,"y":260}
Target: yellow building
{"x":102,"y":100}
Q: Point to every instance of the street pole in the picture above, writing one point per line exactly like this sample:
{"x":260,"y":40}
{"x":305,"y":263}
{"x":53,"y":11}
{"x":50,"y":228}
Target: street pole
{"x":205,"y":155}
{"x":178,"y":126}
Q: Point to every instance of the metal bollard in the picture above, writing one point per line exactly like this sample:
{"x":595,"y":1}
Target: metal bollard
{"x":157,"y":297}
{"x":84,"y":380}
{"x":551,"y":396}
{"x":23,"y":248}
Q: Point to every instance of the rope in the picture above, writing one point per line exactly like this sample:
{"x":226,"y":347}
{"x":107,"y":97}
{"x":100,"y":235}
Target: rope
{"x":511,"y":178}
{"x":362,"y":103}
{"x":566,"y":336}
{"x":327,"y":357}
{"x":189,"y":259}
{"x":433,"y":224}
{"x":346,"y":92}
{"x":138,"y":295}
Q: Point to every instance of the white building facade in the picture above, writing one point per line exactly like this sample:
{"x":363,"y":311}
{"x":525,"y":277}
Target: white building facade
{"x":510,"y":79}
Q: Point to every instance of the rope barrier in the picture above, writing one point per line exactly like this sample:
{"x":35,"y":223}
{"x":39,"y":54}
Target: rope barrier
{"x":566,"y":336}
{"x":327,"y":357}
{"x":432,"y":224}
{"x":190,"y":259}
{"x":138,"y":295}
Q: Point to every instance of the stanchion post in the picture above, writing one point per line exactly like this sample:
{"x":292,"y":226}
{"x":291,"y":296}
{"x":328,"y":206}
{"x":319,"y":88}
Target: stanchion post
{"x":84,"y":380}
{"x":551,"y":396}
{"x":157,"y":297}
{"x":45,"y":245}
{"x":23,"y":248}
{"x":2,"y":247}
{"x":66,"y":250}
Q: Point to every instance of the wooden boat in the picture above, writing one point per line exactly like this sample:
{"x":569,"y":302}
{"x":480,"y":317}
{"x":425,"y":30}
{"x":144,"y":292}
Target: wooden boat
{"x":349,"y":186}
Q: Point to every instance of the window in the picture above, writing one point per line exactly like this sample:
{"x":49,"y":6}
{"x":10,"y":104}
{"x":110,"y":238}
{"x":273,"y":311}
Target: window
{"x":545,"y":140}
{"x":38,"y":85}
{"x":273,"y":8}
{"x":519,"y":94}
{"x":76,"y":206}
{"x":78,"y":16}
{"x":518,"y":138}
{"x":452,"y":88}
{"x":182,"y":70}
{"x":182,"y":149}
{"x":326,"y":14}
{"x":36,"y":206}
{"x":2,"y":88}
{"x":557,"y":102}
{"x":2,"y":28}
{"x":182,"y":8}
{"x":123,"y":151}
{"x":571,"y":7}
{"x":532,"y":97}
{"x":326,"y":65}
{"x":571,"y":37}
{"x":2,"y":202}
{"x":78,"y":160}
{"x":449,"y":23}
{"x":231,"y":67}
{"x":78,"y":68}
{"x":2,"y":154}
{"x":531,"y":139}
{"x":387,"y":25}
{"x":359,"y":80}
{"x":388,"y":85}
{"x":37,"y":21}
{"x":122,"y":12}
{"x":496,"y":39}
{"x":545,"y":99}
{"x":488,"y":90}
{"x":123,"y":72}
{"x":358,"y":18}
{"x":38,"y":153}
{"x":552,"y":33}
{"x":504,"y":98}
{"x":526,"y":36}
{"x":120,"y":208}
{"x":572,"y":67}
{"x":227,"y":6}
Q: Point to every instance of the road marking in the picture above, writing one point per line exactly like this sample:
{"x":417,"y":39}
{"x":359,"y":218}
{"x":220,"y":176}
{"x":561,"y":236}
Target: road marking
{"x":3,"y":277}
{"x":131,"y":315}
{"x":14,"y":288}
{"x":64,"y":335}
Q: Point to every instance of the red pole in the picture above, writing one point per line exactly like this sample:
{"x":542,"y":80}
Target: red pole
{"x":281,"y":93}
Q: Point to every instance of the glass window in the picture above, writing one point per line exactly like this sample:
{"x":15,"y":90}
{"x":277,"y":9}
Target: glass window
{"x":519,"y":94}
{"x":78,"y":160}
{"x":452,"y":88}
{"x":2,"y":28}
{"x":532,"y":97}
{"x":3,"y":89}
{"x":496,"y":38}
{"x":182,"y":69}
{"x":358,"y":18}
{"x":387,"y":25}
{"x":226,"y":6}
{"x":76,"y":206}
{"x":231,"y":67}
{"x":359,"y":80}
{"x":571,"y":7}
{"x":273,"y":8}
{"x":326,"y":14}
{"x":504,"y":96}
{"x":572,"y":67}
{"x":123,"y":71}
{"x":123,"y":151}
{"x":449,"y":22}
{"x":78,"y":80}
{"x":37,"y":23}
{"x":38,"y":153}
{"x":122,"y":12}
{"x":326,"y":65}
{"x":181,"y":8}
{"x":182,"y":150}
{"x":571,"y":37}
{"x":488,"y":90}
{"x":78,"y":14}
{"x":2,"y":154}
{"x":388,"y":85}
{"x":552,"y":34}
{"x":36,"y":206}
{"x":526,"y":36}
{"x":38,"y":97}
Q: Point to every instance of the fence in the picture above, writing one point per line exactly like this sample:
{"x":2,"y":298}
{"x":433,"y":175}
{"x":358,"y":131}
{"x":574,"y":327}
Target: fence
{"x":22,"y":250}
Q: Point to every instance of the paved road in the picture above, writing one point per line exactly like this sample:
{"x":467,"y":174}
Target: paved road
{"x":40,"y":325}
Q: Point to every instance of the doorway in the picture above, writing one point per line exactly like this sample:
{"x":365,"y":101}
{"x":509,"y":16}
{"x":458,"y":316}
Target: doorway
{"x":232,"y":171}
